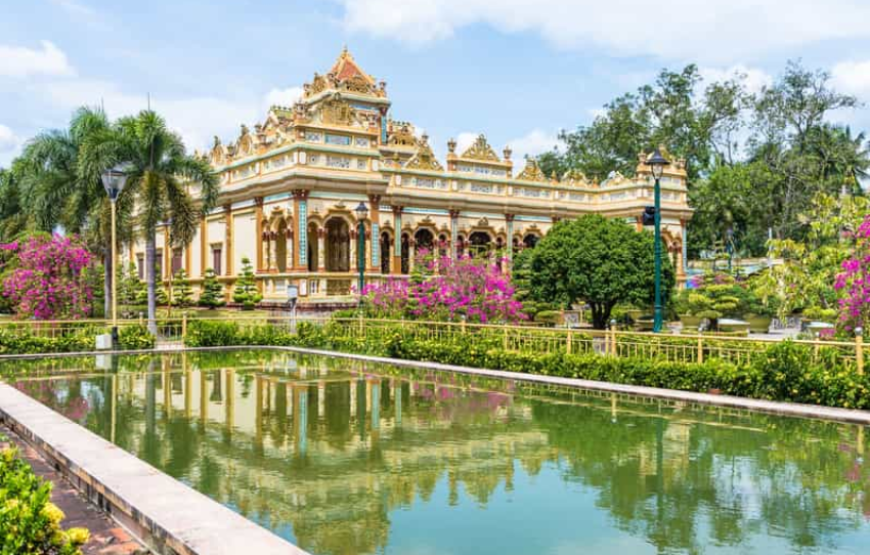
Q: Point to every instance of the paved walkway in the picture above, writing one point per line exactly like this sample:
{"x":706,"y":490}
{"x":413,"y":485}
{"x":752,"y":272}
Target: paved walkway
{"x":107,"y":538}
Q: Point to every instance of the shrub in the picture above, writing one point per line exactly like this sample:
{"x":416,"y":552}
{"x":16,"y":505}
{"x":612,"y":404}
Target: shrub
{"x":29,"y":522}
{"x":135,"y":337}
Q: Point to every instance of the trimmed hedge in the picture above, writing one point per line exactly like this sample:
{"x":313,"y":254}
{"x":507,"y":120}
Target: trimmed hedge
{"x":29,"y":522}
{"x":21,"y":341}
{"x":784,"y":371}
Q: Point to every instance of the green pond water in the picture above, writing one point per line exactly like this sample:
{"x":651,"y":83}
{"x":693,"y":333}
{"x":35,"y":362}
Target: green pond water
{"x":346,"y":458}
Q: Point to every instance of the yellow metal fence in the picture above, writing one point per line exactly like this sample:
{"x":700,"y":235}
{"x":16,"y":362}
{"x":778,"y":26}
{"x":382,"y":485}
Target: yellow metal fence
{"x":521,"y":338}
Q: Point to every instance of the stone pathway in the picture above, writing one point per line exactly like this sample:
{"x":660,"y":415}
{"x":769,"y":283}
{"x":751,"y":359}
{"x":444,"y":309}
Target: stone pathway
{"x":107,"y":538}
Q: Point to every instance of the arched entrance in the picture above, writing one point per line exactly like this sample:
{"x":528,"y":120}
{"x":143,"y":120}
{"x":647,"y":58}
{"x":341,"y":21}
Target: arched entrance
{"x":530,"y":240}
{"x":424,"y":241}
{"x":337,"y":245}
{"x":479,"y":243}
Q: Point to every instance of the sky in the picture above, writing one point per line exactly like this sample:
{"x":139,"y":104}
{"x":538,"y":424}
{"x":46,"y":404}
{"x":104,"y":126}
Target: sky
{"x":518,"y":71}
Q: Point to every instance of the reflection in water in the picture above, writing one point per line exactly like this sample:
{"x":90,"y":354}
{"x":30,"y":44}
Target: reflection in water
{"x":344,"y":458}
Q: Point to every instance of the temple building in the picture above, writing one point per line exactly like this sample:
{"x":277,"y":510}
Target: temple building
{"x":290,"y":188}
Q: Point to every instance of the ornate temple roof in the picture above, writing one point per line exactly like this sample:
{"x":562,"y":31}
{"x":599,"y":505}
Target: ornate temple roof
{"x":345,"y":68}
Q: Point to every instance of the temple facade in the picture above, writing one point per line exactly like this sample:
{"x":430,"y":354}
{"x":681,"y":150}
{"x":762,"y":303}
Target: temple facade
{"x":290,"y":188}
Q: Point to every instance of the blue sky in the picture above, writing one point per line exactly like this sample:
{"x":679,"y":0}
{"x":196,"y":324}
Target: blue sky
{"x":516,"y":70}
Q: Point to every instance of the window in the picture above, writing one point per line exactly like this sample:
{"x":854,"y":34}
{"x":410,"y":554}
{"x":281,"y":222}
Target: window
{"x":176,"y":260}
{"x":140,"y":265}
{"x":216,"y":258}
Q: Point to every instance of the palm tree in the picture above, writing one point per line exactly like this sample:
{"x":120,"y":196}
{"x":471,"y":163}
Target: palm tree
{"x":54,"y":191}
{"x":159,"y":176}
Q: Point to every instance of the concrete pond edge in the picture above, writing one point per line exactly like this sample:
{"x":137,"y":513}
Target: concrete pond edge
{"x":169,"y":517}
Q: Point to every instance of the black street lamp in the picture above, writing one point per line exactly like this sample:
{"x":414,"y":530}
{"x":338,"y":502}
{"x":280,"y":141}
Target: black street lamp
{"x":657,"y":164}
{"x":362,"y":213}
{"x":114,"y":180}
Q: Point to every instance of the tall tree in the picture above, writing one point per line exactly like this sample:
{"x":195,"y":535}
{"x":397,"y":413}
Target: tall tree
{"x":599,"y":261}
{"x":160,"y":175}
{"x":54,"y":190}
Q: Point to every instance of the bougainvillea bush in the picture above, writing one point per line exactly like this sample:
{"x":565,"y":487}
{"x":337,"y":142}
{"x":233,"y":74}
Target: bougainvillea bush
{"x":46,"y":277}
{"x":853,"y":282}
{"x":443,"y":288}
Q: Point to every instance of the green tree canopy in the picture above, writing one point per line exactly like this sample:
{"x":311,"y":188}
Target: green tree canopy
{"x":599,"y":261}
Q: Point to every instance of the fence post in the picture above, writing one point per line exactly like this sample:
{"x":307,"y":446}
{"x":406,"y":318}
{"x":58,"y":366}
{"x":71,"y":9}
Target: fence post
{"x":570,"y":341}
{"x":700,"y":348}
{"x":859,"y":350}
{"x":613,"y":338}
{"x":183,"y":326}
{"x":462,"y":325}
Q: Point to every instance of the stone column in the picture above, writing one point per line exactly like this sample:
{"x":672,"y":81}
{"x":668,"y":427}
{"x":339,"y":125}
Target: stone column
{"x":374,"y":250}
{"x":353,"y":261}
{"x":321,"y":249}
{"x":258,"y":214}
{"x":412,"y":254}
{"x":228,"y":231}
{"x":203,"y":247}
{"x":509,"y":227}
{"x":272,"y":249}
{"x":454,"y":232}
{"x":300,"y":210}
{"x":289,"y":238}
{"x":397,"y":240}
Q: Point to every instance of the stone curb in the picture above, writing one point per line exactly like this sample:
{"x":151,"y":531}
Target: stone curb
{"x":772,"y":407}
{"x":170,"y":517}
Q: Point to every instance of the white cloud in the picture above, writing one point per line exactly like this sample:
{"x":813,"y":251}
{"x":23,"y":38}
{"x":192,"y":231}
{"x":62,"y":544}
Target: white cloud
{"x":532,"y":144}
{"x":19,"y":61}
{"x":853,"y":77}
{"x":753,"y":78}
{"x":465,"y":140}
{"x":722,"y":30}
{"x":8,"y":140}
{"x":283,"y":97}
{"x":197,"y":119}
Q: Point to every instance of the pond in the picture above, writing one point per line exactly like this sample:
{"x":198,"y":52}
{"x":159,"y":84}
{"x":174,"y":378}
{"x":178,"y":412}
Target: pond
{"x":343,"y":457}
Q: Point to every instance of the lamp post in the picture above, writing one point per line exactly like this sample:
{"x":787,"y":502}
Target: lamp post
{"x":657,"y":164}
{"x":362,"y":213}
{"x":114,"y":180}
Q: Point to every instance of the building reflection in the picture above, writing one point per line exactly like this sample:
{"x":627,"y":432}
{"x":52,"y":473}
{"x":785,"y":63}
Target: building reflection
{"x":330,"y":449}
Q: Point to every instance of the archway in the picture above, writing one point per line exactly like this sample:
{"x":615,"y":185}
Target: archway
{"x":443,"y":245}
{"x":530,"y":240}
{"x":313,"y":247}
{"x":424,"y":241}
{"x":386,"y":252}
{"x":479,"y":243}
{"x":337,"y":245}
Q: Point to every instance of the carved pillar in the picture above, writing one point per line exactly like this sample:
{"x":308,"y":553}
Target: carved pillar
{"x":352,"y":255}
{"x":263,"y":250}
{"x":321,"y":249}
{"x":412,"y":254}
{"x":454,"y":232}
{"x":374,"y":246}
{"x":228,"y":214}
{"x":203,"y":247}
{"x":509,"y":227}
{"x":300,"y":210}
{"x":272,"y":247}
{"x":289,"y":235}
{"x":397,"y":240}
{"x":258,"y":214}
